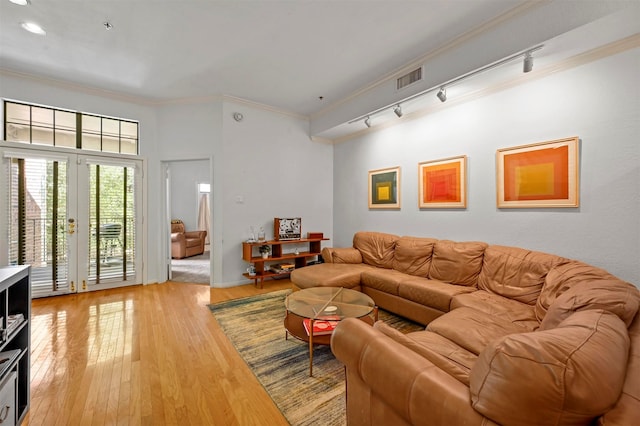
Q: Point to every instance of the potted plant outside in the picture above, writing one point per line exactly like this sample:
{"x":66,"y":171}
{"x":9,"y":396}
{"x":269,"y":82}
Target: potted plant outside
{"x":264,"y":250}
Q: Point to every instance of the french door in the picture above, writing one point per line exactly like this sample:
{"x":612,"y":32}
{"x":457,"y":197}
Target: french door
{"x":72,"y":217}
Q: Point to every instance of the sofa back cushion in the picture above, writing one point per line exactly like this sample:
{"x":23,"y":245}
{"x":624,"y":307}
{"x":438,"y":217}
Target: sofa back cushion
{"x":376,"y":248}
{"x":515,"y":273}
{"x":413,"y":255}
{"x":568,"y":375}
{"x":562,"y":277}
{"x":615,"y":296}
{"x":457,"y":262}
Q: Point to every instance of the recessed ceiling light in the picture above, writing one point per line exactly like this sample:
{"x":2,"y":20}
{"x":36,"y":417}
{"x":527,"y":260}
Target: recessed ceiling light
{"x":20,"y":2}
{"x":33,"y":28}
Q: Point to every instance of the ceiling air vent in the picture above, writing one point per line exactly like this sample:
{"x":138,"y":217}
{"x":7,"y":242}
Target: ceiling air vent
{"x":409,"y":78}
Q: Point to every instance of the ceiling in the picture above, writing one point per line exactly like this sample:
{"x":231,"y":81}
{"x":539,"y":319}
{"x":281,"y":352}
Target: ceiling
{"x":300,"y":56}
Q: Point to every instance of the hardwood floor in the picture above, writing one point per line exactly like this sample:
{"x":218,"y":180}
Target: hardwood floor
{"x":142,"y":355}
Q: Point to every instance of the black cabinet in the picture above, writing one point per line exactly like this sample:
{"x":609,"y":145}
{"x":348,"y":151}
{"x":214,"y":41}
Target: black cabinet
{"x":15,"y":340}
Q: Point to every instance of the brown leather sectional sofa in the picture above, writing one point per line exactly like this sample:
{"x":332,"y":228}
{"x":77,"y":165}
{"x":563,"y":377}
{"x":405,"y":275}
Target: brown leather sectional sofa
{"x":512,"y":336}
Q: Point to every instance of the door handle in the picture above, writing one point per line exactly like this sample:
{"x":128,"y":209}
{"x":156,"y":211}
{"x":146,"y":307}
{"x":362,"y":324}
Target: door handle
{"x":72,"y":226}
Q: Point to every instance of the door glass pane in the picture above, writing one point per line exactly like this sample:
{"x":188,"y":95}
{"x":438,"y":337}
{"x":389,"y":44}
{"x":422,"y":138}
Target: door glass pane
{"x":37,"y":235}
{"x":112,"y":225}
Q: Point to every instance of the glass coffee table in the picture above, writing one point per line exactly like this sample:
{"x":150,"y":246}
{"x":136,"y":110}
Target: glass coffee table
{"x":313,"y":313}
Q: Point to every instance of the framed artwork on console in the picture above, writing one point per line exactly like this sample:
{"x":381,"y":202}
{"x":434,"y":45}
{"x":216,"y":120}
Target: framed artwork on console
{"x":442,"y":184}
{"x":540,"y":175}
{"x":384,"y":187}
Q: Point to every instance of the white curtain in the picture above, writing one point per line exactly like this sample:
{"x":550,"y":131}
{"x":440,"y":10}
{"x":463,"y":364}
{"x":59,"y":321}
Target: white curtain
{"x":203,"y":216}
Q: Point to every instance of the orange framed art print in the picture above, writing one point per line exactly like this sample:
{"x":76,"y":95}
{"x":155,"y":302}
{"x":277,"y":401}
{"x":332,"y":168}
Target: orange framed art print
{"x":541,"y":175}
{"x":442,"y":184}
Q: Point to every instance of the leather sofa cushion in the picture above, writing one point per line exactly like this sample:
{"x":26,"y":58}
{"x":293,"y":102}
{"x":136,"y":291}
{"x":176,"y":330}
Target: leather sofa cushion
{"x":568,"y":375}
{"x":386,"y":280}
{"x":457,"y":262}
{"x":442,"y":352}
{"x":472,"y":330}
{"x":628,"y":405}
{"x":562,"y":277}
{"x":515,"y":273}
{"x":341,"y":255}
{"x":435,"y":294}
{"x":413,"y":255}
{"x":376,"y":248}
{"x":511,"y":310}
{"x":615,"y":296}
{"x":328,"y":275}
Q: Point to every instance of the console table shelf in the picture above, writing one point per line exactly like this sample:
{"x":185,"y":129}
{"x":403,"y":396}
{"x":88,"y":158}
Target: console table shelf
{"x":277,"y":255}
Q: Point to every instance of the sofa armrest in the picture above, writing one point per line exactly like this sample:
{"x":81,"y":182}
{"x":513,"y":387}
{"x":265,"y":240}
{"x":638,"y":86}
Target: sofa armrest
{"x":196,"y":234}
{"x":341,"y":255}
{"x":416,"y":390}
{"x":177,"y":236}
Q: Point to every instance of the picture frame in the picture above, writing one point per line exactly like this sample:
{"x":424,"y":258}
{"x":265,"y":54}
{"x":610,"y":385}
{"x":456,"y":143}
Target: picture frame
{"x":442,"y":184}
{"x":539,"y":175}
{"x":384,"y":188}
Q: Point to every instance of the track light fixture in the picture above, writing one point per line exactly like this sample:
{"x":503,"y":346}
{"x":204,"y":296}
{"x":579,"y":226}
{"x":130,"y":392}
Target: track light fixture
{"x":527,"y":64}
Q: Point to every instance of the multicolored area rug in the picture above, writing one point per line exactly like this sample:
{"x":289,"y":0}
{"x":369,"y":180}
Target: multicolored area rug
{"x":255,"y":327}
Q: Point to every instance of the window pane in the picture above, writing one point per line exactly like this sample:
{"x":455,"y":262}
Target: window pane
{"x":110,"y":144}
{"x":65,"y":131}
{"x":17,"y":133}
{"x":17,"y":113}
{"x":65,"y":120}
{"x":90,"y":142}
{"x":42,"y":135}
{"x":111,"y":127}
{"x":42,"y":117}
{"x":91,"y":128}
{"x":129,"y":130}
{"x":91,"y":124}
{"x":128,"y":146}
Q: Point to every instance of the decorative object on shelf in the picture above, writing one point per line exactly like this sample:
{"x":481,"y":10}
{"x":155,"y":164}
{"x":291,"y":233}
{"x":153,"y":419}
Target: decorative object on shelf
{"x":442,"y":184}
{"x":252,"y":235}
{"x":541,"y":175}
{"x":251,"y":270}
{"x":261,"y":235}
{"x":313,"y":235}
{"x":384,"y":185}
{"x":287,"y":228}
{"x":264,"y":251}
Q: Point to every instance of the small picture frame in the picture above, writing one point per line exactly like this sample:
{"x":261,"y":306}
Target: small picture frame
{"x":384,"y":187}
{"x":442,"y":184}
{"x":540,"y":175}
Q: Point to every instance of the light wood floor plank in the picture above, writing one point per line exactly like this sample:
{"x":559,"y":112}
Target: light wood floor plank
{"x":142,"y":355}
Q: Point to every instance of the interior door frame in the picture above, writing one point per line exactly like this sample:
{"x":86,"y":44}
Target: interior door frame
{"x":166,"y":216}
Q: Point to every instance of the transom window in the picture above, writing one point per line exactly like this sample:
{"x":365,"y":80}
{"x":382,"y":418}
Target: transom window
{"x":42,"y":125}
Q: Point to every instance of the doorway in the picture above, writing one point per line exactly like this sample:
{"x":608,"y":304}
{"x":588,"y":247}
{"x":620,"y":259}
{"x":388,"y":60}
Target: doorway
{"x":188,"y":201}
{"x":73,"y":218}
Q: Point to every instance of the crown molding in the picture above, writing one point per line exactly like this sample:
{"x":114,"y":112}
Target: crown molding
{"x":264,"y":107}
{"x":601,"y":52}
{"x":463,"y":38}
{"x":79,"y":87}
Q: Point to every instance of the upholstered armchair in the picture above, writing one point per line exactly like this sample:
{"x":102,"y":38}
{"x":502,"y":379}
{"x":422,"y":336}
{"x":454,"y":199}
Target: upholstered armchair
{"x":185,"y":244}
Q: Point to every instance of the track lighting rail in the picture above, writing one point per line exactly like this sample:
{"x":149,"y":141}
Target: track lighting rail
{"x":528,"y":64}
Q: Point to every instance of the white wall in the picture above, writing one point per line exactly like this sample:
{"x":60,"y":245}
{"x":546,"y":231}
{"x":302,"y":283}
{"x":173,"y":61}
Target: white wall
{"x":599,"y":102}
{"x":185,"y":199}
{"x":271,"y":168}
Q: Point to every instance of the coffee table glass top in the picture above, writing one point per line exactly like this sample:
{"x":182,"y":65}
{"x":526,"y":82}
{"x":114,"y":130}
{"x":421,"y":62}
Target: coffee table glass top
{"x":320,"y":302}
